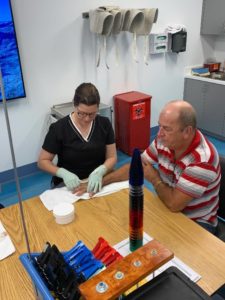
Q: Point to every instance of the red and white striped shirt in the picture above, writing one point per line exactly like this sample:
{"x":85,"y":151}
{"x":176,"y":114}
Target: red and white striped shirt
{"x":196,"y":173}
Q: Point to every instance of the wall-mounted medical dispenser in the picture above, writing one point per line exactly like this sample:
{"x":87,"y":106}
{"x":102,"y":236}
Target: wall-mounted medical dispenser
{"x":179,"y":41}
{"x":158,"y":43}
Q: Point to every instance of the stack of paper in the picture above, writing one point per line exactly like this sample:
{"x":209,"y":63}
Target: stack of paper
{"x":6,"y":245}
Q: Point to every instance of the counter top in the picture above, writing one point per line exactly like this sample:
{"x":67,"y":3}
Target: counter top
{"x":211,"y":80}
{"x":187,"y":74}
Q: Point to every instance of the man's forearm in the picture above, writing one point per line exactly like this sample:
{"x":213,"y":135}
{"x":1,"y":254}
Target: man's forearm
{"x":163,"y":190}
{"x":120,"y":174}
{"x":165,"y":193}
{"x":174,"y":199}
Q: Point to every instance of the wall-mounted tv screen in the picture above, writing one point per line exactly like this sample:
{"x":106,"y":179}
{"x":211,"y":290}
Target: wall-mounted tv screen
{"x":9,"y":55}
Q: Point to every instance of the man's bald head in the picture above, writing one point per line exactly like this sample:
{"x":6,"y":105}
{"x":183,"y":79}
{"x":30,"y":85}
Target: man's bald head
{"x":184,"y":112}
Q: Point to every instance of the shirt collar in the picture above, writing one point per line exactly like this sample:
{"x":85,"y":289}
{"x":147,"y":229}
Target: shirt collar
{"x":193,"y":145}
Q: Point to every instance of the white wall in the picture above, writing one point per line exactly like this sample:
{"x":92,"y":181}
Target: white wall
{"x":58,"y":53}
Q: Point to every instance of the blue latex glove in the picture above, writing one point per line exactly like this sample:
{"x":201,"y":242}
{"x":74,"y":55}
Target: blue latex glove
{"x":71,"y":180}
{"x":95,"y":179}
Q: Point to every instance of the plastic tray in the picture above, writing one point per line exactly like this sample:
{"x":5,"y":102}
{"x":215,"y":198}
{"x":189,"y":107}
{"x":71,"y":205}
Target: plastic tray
{"x":41,"y":288}
{"x":171,"y":284}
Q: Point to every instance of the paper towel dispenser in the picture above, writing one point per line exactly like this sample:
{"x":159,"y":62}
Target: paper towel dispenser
{"x":179,"y":40}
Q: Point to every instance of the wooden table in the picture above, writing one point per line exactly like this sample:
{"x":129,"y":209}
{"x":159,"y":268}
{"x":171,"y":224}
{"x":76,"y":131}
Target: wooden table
{"x":107,"y":217}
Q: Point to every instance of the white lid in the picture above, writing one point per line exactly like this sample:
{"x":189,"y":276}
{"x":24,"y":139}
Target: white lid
{"x":63,"y":209}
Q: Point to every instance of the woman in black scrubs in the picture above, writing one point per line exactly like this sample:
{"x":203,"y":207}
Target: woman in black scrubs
{"x":84,"y":143}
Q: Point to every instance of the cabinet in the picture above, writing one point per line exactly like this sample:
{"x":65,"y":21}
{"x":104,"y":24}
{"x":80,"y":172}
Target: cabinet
{"x":209,"y":102}
{"x":213,"y":17}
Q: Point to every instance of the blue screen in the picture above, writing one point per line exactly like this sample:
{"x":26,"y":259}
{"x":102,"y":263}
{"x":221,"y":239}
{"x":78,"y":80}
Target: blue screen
{"x":9,"y":55}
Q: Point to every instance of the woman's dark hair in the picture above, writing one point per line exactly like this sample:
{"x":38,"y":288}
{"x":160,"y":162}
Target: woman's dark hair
{"x":87,"y":94}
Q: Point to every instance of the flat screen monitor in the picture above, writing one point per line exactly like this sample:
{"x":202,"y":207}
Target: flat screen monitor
{"x":9,"y":55}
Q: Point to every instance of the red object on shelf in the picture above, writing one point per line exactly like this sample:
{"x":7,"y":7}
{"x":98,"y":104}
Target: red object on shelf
{"x":132,"y":121}
{"x":213,"y":67}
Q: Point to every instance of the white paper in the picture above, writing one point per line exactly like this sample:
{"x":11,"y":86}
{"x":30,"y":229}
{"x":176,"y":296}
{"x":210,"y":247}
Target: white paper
{"x":123,"y":248}
{"x":51,"y":198}
{"x":6,"y":245}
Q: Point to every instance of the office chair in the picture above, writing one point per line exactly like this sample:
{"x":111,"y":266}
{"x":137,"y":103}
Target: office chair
{"x":221,"y":211}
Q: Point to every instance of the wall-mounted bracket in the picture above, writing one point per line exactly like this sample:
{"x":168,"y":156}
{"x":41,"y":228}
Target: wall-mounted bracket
{"x":85,"y":15}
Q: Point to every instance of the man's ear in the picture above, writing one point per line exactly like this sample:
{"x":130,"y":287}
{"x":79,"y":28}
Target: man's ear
{"x":188,"y":131}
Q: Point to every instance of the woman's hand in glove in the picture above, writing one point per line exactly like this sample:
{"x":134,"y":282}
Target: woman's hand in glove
{"x":95,"y":179}
{"x":71,"y":180}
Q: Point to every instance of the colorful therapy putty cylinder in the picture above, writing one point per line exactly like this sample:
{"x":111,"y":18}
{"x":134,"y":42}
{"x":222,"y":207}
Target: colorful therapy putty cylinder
{"x":136,"y":201}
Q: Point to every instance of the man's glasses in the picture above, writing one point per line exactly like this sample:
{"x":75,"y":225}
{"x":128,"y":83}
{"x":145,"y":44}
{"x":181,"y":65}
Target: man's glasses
{"x":83,"y":115}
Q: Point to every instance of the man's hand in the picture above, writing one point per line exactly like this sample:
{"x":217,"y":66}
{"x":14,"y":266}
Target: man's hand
{"x":150,"y":173}
{"x":174,"y":199}
{"x":81,"y":189}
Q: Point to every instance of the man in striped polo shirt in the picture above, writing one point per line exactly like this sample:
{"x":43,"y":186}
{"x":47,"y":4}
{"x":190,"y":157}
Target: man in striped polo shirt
{"x":188,"y":175}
